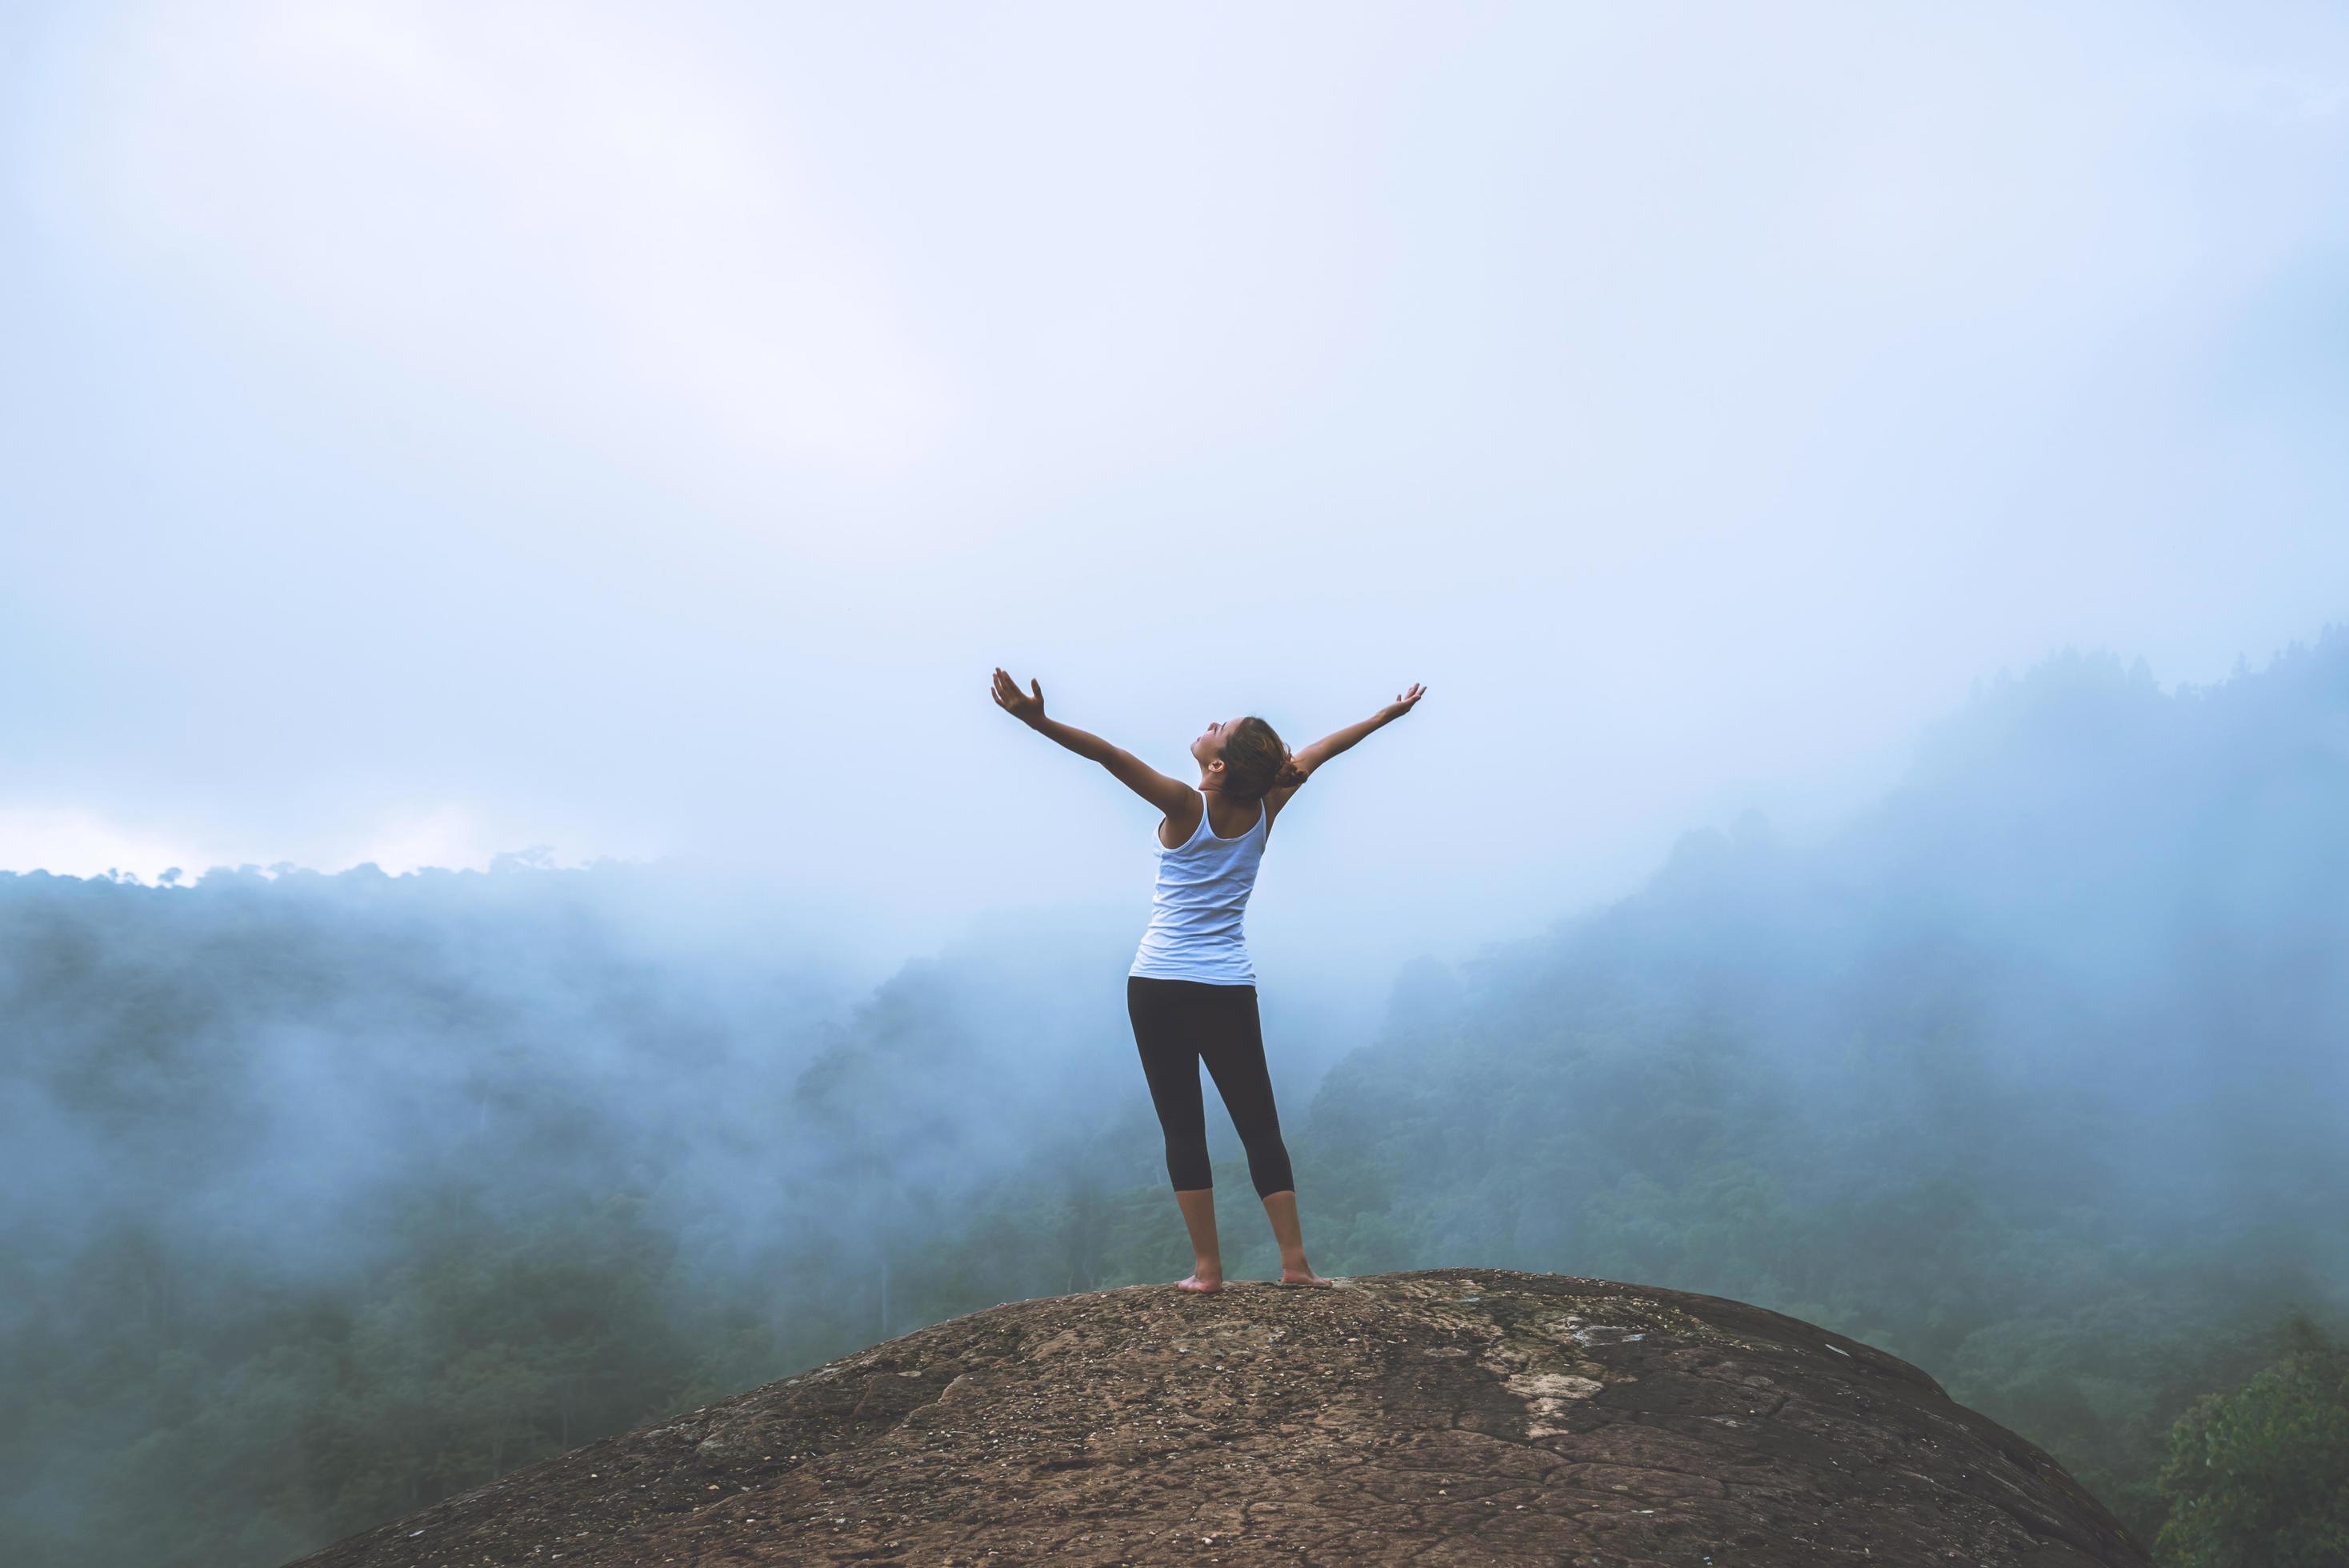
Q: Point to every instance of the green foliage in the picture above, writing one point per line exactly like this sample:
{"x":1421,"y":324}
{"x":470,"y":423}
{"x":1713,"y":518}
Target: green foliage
{"x":2261,"y":1476}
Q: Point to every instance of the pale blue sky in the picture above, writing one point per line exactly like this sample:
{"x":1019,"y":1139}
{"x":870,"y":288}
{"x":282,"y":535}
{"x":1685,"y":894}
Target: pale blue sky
{"x":431,"y":429}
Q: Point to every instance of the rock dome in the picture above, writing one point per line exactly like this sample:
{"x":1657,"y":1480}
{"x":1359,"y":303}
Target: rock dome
{"x":1455,"y":1416}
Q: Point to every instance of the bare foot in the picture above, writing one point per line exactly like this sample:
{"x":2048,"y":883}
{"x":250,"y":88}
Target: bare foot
{"x":1212,"y":1282}
{"x":1303,"y":1277}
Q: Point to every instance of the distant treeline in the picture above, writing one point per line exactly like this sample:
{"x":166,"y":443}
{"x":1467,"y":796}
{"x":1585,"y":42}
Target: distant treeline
{"x":329,"y":1196}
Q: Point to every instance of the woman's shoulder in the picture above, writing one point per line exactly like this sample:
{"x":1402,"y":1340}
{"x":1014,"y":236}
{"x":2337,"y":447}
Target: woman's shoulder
{"x":1182,"y":823}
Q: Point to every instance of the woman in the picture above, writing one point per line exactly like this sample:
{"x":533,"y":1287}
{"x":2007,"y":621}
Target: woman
{"x":1191,"y":993}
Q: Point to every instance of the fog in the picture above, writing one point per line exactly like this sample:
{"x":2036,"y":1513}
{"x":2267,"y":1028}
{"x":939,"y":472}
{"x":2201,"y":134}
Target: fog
{"x":519,"y":915}
{"x":433,"y":432}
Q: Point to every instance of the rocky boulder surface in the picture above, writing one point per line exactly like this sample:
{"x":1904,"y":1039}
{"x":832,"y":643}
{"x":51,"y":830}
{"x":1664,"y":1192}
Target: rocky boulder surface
{"x":1441,"y":1416}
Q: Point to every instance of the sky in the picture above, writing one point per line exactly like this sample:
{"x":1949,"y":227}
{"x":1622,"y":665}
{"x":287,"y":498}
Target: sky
{"x":428,"y":431}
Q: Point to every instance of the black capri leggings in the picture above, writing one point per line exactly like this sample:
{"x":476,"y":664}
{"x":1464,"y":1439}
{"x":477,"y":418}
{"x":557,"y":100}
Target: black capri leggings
{"x":1175,"y":1024}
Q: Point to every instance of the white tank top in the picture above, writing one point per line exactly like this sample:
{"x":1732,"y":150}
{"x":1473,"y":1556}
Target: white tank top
{"x":1194,"y":913}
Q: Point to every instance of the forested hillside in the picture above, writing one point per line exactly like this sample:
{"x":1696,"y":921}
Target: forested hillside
{"x":2034,"y":1076}
{"x":328,"y":1196}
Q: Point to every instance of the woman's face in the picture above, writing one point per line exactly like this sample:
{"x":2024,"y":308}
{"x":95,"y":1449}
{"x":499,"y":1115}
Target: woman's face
{"x":1209,"y":747}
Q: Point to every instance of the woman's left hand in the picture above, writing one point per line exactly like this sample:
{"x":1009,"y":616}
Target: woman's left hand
{"x":1022,"y":706}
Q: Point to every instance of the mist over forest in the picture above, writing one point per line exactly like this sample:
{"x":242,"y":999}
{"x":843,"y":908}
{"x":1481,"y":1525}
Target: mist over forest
{"x":329,"y":1196}
{"x":517,"y":920}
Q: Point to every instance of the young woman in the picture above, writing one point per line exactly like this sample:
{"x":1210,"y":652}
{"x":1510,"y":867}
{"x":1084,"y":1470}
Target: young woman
{"x":1191,"y":993}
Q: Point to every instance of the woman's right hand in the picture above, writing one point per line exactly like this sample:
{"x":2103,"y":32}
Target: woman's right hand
{"x":1022,"y":706}
{"x":1401,"y":704}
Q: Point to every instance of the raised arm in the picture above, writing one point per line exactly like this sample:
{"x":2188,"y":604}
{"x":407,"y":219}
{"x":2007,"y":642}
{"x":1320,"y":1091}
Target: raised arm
{"x":1169,"y":795}
{"x":1309,"y":758}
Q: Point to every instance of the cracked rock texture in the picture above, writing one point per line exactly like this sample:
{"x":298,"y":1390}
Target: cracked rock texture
{"x":1443,"y":1416}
